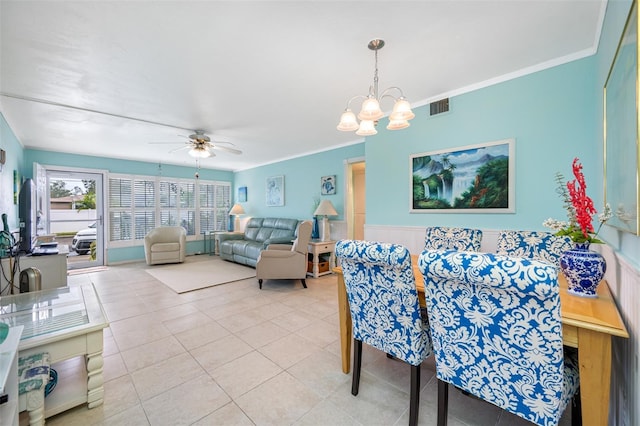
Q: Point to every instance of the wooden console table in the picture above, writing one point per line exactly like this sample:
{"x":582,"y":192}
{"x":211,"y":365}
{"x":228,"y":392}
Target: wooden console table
{"x":587,"y":324}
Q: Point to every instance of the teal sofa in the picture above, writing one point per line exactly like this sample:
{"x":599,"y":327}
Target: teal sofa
{"x":258,"y":234}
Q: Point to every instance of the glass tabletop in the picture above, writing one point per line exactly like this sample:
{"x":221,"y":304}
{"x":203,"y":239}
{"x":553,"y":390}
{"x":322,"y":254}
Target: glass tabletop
{"x":47,"y":311}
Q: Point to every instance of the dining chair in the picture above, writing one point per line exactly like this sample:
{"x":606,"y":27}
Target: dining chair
{"x":447,"y":238}
{"x":384,"y":306}
{"x":497,"y":333}
{"x":543,"y":246}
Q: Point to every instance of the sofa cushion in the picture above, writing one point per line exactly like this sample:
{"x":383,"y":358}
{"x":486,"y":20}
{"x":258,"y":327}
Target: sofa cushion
{"x":163,"y":247}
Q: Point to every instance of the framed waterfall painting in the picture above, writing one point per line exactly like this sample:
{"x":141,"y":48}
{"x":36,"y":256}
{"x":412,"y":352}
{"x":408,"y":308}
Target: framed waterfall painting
{"x":472,"y":179}
{"x":621,"y":147}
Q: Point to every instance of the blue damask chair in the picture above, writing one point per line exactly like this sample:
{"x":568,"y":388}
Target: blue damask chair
{"x":445,"y":238}
{"x":497,"y":333}
{"x":384,"y":308}
{"x":543,"y":246}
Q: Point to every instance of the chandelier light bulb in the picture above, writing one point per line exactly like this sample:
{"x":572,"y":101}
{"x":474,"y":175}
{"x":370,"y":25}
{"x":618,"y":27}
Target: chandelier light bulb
{"x":370,"y":110}
{"x":397,"y":124}
{"x":348,"y":122}
{"x":401,"y":110}
{"x":367,"y":128}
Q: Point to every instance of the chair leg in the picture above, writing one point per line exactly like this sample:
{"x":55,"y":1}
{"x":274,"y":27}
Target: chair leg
{"x":414,"y":404}
{"x":260,"y":283}
{"x":576,"y":410}
{"x":304,"y":282}
{"x":357,"y":364}
{"x":443,"y":402}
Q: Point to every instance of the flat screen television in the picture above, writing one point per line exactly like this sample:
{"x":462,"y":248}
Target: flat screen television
{"x":27,"y":215}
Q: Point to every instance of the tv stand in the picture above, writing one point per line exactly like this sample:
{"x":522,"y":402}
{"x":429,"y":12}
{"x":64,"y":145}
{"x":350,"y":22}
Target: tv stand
{"x":52,"y":267}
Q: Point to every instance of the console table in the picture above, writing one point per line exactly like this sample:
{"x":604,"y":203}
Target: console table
{"x":66,"y":322}
{"x":9,"y":377}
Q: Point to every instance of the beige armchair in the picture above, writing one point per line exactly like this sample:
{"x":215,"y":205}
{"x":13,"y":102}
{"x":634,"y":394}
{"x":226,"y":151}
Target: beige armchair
{"x":166,"y":244}
{"x":284,"y":261}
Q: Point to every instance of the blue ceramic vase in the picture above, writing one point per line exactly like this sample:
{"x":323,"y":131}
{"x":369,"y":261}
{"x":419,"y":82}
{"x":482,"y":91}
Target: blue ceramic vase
{"x":583,"y":269}
{"x":315,"y":231}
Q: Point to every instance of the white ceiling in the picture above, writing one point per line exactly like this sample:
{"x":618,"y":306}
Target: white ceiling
{"x":270,"y":76}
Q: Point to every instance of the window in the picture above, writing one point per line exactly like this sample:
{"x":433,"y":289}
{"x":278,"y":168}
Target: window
{"x":138,"y":204}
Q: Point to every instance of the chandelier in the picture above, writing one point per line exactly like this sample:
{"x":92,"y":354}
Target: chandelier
{"x":370,"y":112}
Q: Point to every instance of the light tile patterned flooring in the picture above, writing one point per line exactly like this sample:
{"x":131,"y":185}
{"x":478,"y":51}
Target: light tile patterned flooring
{"x":236,"y":355}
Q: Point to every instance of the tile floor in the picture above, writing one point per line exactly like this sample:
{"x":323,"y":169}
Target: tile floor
{"x":235,"y":355}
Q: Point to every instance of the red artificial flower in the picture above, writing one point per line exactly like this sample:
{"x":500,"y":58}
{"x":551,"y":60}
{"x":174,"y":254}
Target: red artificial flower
{"x":582,"y":204}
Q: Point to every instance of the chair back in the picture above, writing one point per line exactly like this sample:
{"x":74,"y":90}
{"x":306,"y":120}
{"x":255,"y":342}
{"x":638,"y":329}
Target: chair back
{"x":543,"y":246}
{"x":383,"y":299}
{"x":446,"y":238}
{"x":496,"y":329}
{"x":301,"y":243}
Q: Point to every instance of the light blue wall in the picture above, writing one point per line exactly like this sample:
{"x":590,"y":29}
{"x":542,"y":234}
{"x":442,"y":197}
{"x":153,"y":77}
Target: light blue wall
{"x":302,"y":183}
{"x":14,"y":161}
{"x":549,"y":114}
{"x":112,"y":165}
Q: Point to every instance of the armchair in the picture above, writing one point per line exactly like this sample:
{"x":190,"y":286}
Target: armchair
{"x":286,"y":261}
{"x":166,"y":244}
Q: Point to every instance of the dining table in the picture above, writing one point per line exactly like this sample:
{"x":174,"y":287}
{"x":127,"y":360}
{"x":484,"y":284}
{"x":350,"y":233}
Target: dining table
{"x":588,"y":324}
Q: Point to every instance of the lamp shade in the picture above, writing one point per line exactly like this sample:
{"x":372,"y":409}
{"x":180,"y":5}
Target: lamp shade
{"x":397,"y":124}
{"x":237,"y":209}
{"x":348,"y":122}
{"x":325,"y":208}
{"x":199,"y":152}
{"x":367,"y":128}
{"x":402,"y":110}
{"x":370,"y":110}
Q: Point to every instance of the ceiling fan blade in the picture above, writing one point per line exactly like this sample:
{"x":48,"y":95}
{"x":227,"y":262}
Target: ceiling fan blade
{"x":178,"y":149}
{"x":165,"y":143}
{"x":227,"y":149}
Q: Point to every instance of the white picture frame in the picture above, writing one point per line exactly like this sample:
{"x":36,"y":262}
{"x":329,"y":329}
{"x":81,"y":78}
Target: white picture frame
{"x":275,"y":191}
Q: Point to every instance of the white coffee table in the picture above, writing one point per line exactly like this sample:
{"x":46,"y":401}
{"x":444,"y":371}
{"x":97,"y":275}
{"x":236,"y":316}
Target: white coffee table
{"x":67,"y":322}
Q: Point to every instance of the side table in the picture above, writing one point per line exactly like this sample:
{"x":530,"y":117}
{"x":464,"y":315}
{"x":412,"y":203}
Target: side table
{"x":316,"y":248}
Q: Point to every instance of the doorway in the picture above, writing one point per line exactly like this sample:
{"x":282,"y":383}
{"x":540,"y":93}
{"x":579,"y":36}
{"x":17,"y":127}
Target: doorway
{"x":75,"y":205}
{"x":356,"y":198}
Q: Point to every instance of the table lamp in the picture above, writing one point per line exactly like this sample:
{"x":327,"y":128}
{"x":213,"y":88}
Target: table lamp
{"x":236,"y":211}
{"x":325,"y":208}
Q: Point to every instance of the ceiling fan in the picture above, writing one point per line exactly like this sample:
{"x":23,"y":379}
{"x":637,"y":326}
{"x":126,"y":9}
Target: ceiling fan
{"x":201,"y":146}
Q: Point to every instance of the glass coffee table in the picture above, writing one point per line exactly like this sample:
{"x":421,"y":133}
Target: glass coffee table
{"x":66,"y":322}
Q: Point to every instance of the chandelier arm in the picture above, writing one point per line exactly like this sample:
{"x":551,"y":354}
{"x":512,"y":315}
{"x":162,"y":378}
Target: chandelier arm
{"x":353,"y":99}
{"x":385,"y":93}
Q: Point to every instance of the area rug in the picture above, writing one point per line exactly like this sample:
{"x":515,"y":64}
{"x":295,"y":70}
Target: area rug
{"x":195,"y":274}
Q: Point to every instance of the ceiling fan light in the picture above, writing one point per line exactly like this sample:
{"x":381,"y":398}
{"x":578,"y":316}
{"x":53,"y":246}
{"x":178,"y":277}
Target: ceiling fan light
{"x":199,"y":153}
{"x":370,"y":110}
{"x":402,"y":110}
{"x":367,"y":128}
{"x":397,"y":124}
{"x":348,"y":122}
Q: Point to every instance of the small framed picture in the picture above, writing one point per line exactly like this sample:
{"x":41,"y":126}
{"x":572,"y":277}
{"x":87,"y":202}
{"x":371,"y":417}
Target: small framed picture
{"x":242,"y":194}
{"x":328,"y":185}
{"x":275,"y":191}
